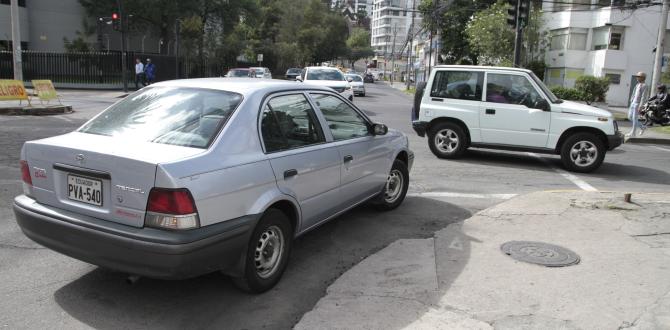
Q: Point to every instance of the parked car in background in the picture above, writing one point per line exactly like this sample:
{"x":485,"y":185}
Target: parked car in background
{"x":292,"y":73}
{"x":238,"y":73}
{"x":188,"y":177}
{"x":260,"y":72}
{"x":509,"y":109}
{"x":357,"y":84}
{"x":369,"y":78}
{"x":327,"y":77}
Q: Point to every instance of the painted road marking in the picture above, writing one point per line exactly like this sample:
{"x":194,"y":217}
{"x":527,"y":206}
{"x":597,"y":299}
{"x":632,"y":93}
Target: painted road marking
{"x":460,"y":195}
{"x":571,"y":177}
{"x":659,"y":148}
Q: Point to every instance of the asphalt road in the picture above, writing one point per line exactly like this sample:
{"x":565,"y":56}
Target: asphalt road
{"x":42,"y":289}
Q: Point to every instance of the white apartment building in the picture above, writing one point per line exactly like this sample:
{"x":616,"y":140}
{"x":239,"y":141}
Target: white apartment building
{"x":391,"y":21}
{"x":601,"y":38}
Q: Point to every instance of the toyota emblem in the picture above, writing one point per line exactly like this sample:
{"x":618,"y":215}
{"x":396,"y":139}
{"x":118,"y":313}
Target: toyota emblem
{"x":80,"y":158}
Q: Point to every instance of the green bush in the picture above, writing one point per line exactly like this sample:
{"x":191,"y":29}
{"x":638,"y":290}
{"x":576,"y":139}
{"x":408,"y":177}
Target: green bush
{"x":564,"y":93}
{"x":593,"y":89}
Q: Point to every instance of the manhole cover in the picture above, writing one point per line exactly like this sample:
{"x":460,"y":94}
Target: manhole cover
{"x":540,"y":253}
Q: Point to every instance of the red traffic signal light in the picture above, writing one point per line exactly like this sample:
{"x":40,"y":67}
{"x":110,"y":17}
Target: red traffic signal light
{"x":115,"y":16}
{"x":116,"y":22}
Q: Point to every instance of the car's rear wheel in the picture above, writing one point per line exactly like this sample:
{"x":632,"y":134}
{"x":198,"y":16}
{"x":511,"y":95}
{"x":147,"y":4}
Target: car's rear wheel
{"x":447,"y":140}
{"x":582,"y":152}
{"x":395,"y":189}
{"x":267,"y":253}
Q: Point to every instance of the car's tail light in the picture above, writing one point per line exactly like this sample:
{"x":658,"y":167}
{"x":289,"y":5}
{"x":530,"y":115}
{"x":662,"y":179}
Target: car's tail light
{"x":171,"y":209}
{"x":25,"y":173}
{"x":27,"y":180}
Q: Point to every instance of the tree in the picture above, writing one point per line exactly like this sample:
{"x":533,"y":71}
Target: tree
{"x":493,"y":40}
{"x":358,"y":45}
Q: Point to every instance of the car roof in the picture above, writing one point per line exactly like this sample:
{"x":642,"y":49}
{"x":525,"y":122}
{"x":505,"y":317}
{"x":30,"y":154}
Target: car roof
{"x":481,"y":67}
{"x":322,"y":67}
{"x":239,"y":69}
{"x":240,"y":85}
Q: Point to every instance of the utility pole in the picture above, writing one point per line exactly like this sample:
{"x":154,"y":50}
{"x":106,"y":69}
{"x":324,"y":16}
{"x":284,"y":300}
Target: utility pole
{"x":658,"y":59}
{"x":176,"y":48}
{"x":409,"y":49}
{"x":124,"y":69}
{"x":517,"y":18}
{"x":395,"y":32}
{"x":16,"y":41}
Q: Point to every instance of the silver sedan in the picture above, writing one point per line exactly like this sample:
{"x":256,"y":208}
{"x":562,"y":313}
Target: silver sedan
{"x":188,"y":177}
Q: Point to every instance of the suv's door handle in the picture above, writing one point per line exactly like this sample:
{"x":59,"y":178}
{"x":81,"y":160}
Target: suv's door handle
{"x":348,"y":158}
{"x":490,"y":111}
{"x":290,"y":173}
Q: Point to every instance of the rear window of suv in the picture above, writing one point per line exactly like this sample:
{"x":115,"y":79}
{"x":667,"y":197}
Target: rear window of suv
{"x":189,"y":117}
{"x":464,"y":85}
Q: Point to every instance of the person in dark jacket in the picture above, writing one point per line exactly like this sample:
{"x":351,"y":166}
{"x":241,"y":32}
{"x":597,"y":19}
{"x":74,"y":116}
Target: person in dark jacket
{"x":661,"y":98}
{"x":149,"y":72}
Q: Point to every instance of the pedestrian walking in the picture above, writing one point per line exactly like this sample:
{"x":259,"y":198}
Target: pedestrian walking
{"x":139,"y":73}
{"x":149,"y":72}
{"x":639,"y":98}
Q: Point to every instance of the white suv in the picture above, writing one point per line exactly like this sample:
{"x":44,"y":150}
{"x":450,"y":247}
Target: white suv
{"x":509,"y":109}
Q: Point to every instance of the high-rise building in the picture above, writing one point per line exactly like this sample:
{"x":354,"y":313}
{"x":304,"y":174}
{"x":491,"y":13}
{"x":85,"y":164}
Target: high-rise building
{"x":391,"y":25}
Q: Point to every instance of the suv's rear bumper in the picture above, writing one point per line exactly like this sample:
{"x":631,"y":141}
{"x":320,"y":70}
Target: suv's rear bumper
{"x":141,"y":251}
{"x":420,"y":127}
{"x":615,"y":140}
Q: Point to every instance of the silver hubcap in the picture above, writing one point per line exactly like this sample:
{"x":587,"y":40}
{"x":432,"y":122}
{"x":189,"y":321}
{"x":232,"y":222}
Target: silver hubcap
{"x":583,"y":153}
{"x":394,"y":184}
{"x":446,"y":140}
{"x":269,"y":250}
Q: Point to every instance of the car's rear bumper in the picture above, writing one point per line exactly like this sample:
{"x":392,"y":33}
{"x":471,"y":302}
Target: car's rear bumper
{"x":140,"y":251}
{"x":615,"y":140}
{"x":420,"y":127}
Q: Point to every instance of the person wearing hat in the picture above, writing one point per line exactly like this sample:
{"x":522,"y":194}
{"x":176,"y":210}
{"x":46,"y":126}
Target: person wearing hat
{"x":661,"y":100}
{"x":149,"y":72}
{"x":638,"y":98}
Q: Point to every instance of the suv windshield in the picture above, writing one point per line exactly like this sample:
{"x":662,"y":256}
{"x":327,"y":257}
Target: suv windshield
{"x":546,"y":90}
{"x":324,"y":74}
{"x":188,"y":117}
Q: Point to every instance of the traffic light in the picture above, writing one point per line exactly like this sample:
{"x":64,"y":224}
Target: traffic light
{"x":512,"y":13}
{"x":116,"y":22}
{"x":524,"y":8}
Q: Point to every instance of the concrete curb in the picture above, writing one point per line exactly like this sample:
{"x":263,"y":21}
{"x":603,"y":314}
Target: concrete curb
{"x":36,"y":111}
{"x":649,"y":141}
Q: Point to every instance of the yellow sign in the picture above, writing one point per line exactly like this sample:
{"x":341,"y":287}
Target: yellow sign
{"x":12,"y":90}
{"x":45,"y":89}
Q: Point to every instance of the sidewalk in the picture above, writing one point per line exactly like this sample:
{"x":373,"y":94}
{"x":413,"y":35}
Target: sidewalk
{"x":460,"y":278}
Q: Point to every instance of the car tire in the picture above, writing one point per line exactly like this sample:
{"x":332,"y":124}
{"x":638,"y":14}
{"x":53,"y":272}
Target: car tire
{"x":395,"y":189}
{"x":447,"y":140}
{"x":582,"y":152}
{"x":351,"y":98}
{"x":363,"y":94}
{"x":263,"y":270}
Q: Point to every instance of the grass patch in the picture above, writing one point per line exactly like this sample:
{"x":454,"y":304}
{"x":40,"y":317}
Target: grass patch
{"x":661,"y":129}
{"x":620,"y":116}
{"x":410,"y":91}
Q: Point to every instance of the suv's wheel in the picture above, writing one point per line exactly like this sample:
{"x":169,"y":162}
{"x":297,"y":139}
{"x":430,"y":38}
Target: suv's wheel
{"x":267,"y":253}
{"x":395,"y":189}
{"x":447,"y":140}
{"x":582,"y":152}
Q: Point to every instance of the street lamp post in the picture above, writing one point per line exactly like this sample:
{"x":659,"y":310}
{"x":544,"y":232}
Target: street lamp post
{"x":16,"y":41}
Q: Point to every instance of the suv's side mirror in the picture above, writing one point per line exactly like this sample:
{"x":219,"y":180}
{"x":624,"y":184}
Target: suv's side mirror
{"x":350,"y":79}
{"x":298,"y":78}
{"x":542,"y":104}
{"x":379,"y":129}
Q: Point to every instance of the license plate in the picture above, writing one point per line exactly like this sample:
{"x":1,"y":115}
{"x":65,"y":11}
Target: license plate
{"x":84,"y":190}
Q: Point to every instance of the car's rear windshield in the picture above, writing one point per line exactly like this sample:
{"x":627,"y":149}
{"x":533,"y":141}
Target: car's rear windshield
{"x":239,"y":73}
{"x":294,"y":70}
{"x":188,"y":117}
{"x":324,"y":74}
{"x":355,"y":77}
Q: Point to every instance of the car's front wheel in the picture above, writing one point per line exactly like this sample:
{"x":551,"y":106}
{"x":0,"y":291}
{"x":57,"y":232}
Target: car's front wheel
{"x":267,"y":253}
{"x":447,"y":140}
{"x":582,"y":152}
{"x":395,"y":188}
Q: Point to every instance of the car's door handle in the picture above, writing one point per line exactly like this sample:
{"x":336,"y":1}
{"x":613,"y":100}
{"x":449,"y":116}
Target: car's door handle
{"x":490,"y":111}
{"x":290,"y":173}
{"x":436,"y":99}
{"x":348,"y":158}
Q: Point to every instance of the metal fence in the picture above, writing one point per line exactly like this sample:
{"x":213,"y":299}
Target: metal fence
{"x":100,"y":70}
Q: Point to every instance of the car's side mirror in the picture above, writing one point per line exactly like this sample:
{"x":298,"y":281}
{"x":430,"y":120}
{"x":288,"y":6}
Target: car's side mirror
{"x":542,"y":104}
{"x":298,"y":78}
{"x":379,"y":129}
{"x":349,"y":80}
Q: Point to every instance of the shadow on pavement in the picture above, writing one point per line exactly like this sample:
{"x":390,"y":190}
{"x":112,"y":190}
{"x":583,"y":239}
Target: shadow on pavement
{"x":101,"y":299}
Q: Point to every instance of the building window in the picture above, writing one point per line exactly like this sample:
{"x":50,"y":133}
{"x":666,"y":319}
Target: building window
{"x":608,"y":37}
{"x":568,"y":38}
{"x":615,"y":78}
{"x":22,"y":3}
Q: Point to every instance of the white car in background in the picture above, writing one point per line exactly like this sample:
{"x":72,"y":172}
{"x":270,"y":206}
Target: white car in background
{"x":357,"y":83}
{"x":260,"y":72}
{"x":327,"y":77}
